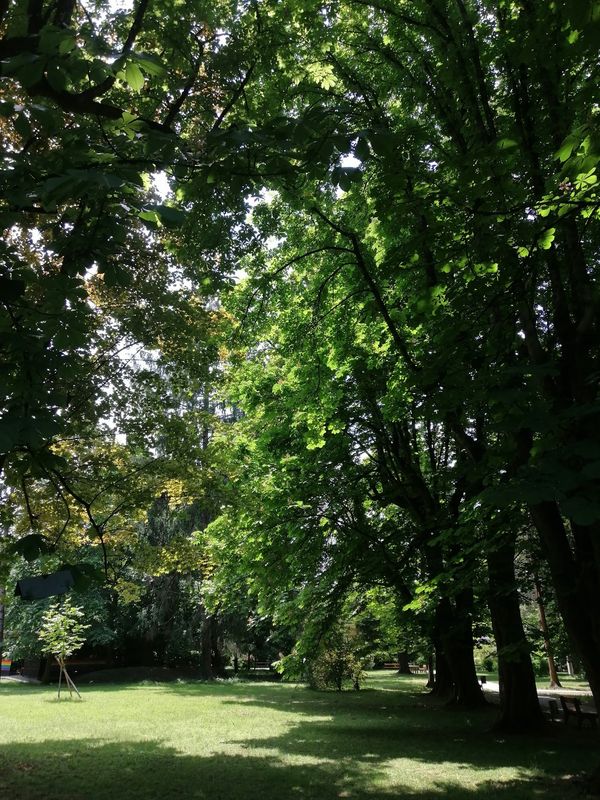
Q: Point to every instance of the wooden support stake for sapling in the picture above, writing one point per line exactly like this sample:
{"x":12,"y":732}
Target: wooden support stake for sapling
{"x":68,"y":680}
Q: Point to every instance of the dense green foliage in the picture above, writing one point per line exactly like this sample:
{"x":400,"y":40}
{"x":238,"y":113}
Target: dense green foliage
{"x":352,"y":350}
{"x":62,"y":632}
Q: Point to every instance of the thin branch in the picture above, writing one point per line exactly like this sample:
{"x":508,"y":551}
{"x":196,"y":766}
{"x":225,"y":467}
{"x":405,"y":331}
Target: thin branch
{"x":234,"y":98}
{"x":136,"y":26}
{"x":33,"y":518}
{"x":365,"y":272}
{"x":177,"y":104}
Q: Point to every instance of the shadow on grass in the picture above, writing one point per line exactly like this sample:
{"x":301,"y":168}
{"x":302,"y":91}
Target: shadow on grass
{"x":74,"y":770}
{"x":372,"y":745}
{"x":376,"y":727}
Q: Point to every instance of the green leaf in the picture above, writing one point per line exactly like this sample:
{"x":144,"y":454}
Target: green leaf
{"x":55,"y":40}
{"x":150,"y":66}
{"x":567,"y":147}
{"x":362,"y":151}
{"x":31,"y":73}
{"x":22,"y":126}
{"x":149,"y":216}
{"x":581,"y":510}
{"x":134,"y":76}
{"x":57,"y":78}
{"x":11,"y":65}
{"x":116,"y":275}
{"x":384,"y":143}
{"x":546,"y":238}
{"x":9,"y":432}
{"x":171,"y":217}
{"x":67,"y":44}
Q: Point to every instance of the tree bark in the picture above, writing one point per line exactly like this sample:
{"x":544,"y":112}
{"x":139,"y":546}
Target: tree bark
{"x":552,"y":673}
{"x":576,"y":590}
{"x":457,"y":643}
{"x":206,"y":655}
{"x":217,"y":661}
{"x":403,"y":665}
{"x":430,"y":671}
{"x":441,"y":680}
{"x":442,"y":685}
{"x":519,"y":705}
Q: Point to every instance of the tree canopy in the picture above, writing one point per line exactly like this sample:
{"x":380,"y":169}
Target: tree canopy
{"x":323,"y":277}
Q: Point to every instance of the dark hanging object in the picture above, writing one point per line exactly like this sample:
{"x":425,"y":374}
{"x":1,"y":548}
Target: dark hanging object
{"x":45,"y":585}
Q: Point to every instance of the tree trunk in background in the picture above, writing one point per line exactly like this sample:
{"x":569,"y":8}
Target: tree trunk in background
{"x":519,"y":706}
{"x":218,"y":663}
{"x":576,"y":585}
{"x":442,"y":680}
{"x":403,"y":665}
{"x":442,"y":683}
{"x":206,"y":654}
{"x":457,"y":644}
{"x":431,"y":671}
{"x":455,"y":678}
{"x":552,"y":673}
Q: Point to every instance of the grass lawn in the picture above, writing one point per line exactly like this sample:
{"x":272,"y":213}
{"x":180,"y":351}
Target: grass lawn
{"x":567,"y":681}
{"x":245,"y":741}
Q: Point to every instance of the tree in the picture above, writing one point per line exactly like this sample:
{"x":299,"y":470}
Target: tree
{"x":482,"y":284}
{"x":94,"y":107}
{"x":62,"y":634}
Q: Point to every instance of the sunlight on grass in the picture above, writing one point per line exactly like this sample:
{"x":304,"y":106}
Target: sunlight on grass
{"x":236,"y":740}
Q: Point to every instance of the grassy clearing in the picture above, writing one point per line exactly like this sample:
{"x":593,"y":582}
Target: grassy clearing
{"x":567,"y":681}
{"x":236,"y":741}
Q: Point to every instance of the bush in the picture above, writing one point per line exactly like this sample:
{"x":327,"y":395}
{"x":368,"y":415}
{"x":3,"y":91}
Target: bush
{"x":486,"y":658}
{"x":336,"y":664}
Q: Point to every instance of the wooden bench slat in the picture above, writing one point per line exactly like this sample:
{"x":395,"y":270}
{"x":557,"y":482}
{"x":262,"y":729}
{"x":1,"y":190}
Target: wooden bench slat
{"x":571,"y":707}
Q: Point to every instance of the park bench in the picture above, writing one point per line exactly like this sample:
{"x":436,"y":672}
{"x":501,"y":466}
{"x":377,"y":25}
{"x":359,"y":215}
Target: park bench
{"x":416,"y":669}
{"x":571,"y":707}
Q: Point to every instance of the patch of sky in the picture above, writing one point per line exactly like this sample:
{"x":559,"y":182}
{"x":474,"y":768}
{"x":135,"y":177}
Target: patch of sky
{"x":350,"y":161}
{"x":160,"y":181}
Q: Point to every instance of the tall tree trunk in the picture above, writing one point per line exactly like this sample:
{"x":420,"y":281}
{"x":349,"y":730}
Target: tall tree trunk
{"x":519,"y":705}
{"x":443,"y":685}
{"x":576,"y":586}
{"x":457,"y":644}
{"x":441,"y":681}
{"x":403,"y":665}
{"x":552,"y":673}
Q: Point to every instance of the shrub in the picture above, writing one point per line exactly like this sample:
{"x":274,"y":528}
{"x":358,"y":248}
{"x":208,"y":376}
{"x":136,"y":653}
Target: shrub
{"x":336,"y":663}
